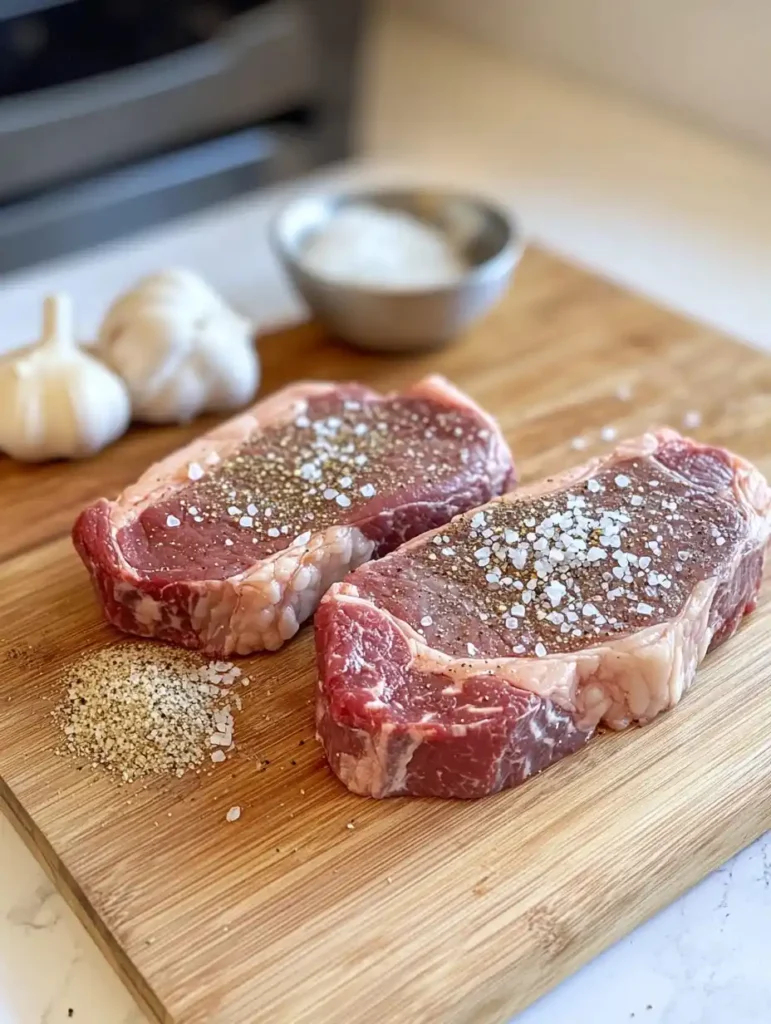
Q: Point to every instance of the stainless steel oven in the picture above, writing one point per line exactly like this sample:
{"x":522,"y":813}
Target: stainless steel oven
{"x":115,"y":114}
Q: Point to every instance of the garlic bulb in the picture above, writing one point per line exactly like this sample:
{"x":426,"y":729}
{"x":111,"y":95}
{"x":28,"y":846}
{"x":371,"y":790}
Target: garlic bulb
{"x":180,"y":349}
{"x":56,"y":401}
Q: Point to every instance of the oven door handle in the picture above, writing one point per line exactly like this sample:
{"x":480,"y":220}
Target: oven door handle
{"x":176,"y":71}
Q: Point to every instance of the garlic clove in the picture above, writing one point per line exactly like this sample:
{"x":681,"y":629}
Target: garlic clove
{"x":186,"y":392}
{"x":233,"y":380}
{"x":99,"y":424}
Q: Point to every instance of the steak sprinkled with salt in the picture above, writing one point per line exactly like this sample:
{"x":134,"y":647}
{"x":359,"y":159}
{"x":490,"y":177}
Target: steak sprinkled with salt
{"x":584,"y":564}
{"x":229,"y":544}
{"x":301,"y":477}
{"x":474,"y":657}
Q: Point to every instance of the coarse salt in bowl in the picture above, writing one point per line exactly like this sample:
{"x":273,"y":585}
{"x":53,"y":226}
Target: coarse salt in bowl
{"x":397,"y":269}
{"x":373,"y":246}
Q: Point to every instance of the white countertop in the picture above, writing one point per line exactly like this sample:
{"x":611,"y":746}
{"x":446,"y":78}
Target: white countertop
{"x":653,"y":203}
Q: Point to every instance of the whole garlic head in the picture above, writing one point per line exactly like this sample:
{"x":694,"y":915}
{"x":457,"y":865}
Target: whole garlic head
{"x":56,"y":401}
{"x":180,"y":349}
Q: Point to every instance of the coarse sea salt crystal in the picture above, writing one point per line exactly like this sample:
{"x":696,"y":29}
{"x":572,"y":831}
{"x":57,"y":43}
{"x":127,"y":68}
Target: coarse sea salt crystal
{"x":426,"y":620}
{"x":343,"y":500}
{"x":518,"y":558}
{"x":172,"y":520}
{"x":608,"y":433}
{"x":246,"y":521}
{"x":471,"y":649}
{"x":540,"y":650}
{"x":234,"y":510}
{"x":195,"y":471}
{"x":274,"y":532}
{"x":368,"y":491}
{"x":303,"y":538}
{"x":233,"y":814}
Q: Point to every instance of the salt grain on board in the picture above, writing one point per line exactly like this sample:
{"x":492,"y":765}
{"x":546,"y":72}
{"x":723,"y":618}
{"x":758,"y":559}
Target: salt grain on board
{"x":233,"y":814}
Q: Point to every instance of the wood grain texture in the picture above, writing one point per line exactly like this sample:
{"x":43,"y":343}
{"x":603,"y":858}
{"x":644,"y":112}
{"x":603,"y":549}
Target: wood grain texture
{"x":424,"y":910}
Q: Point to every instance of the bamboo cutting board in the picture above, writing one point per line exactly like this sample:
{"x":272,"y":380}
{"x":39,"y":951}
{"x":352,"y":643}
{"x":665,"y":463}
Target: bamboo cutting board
{"x":422,"y":910}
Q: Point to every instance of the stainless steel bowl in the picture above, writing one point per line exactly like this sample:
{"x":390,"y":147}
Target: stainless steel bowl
{"x":384,"y":318}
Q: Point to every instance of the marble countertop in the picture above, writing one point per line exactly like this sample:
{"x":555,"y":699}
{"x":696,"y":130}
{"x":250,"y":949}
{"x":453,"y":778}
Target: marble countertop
{"x":660,"y":206}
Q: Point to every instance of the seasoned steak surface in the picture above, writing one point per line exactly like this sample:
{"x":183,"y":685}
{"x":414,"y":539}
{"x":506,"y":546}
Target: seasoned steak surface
{"x":345,"y":456}
{"x":563,"y":570}
{"x":229,"y":544}
{"x":478,"y":655}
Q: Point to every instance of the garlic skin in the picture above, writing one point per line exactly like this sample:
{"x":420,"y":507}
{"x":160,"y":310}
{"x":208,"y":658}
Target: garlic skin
{"x":56,"y":401}
{"x":180,"y":348}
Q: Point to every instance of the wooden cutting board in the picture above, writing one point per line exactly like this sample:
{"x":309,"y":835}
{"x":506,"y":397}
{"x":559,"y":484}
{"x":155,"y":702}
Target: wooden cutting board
{"x":423,"y":910}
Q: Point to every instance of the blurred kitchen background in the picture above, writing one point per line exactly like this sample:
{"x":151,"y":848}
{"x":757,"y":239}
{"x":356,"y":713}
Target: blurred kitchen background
{"x":635,"y":137}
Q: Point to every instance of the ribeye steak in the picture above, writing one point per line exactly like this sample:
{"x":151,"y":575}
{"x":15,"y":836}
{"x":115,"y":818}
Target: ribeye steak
{"x":228,"y":544}
{"x":481,"y":653}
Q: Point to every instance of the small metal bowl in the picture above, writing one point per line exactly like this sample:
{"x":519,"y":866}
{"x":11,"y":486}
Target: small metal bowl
{"x":399,"y":320}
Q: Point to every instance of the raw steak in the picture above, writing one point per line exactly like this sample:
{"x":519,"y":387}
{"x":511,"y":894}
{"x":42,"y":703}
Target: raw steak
{"x":228,"y":544}
{"x":485,"y":651}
